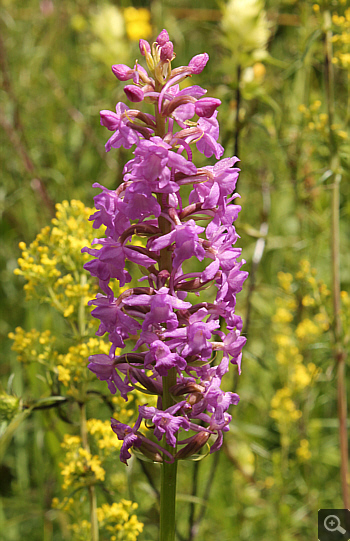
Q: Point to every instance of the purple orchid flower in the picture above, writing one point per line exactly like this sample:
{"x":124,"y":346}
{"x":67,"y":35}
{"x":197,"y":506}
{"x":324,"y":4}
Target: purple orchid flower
{"x":177,"y":339}
{"x":166,"y":423}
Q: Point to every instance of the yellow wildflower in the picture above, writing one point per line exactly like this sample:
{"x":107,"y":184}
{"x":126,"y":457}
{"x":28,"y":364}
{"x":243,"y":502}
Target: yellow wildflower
{"x":106,"y":439}
{"x":137,"y":23}
{"x":282,"y":315}
{"x":285,"y":280}
{"x":283,"y":408}
{"x":117,"y":519}
{"x":80,"y":467}
{"x":33,"y":346}
{"x":52,"y":265}
{"x":307,"y":300}
{"x":307,"y":330}
{"x":303,"y":451}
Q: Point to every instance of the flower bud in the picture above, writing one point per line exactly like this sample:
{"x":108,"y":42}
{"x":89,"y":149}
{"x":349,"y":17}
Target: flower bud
{"x":144,"y":47}
{"x":152,"y":385}
{"x":148,"y":451}
{"x":167,"y":52}
{"x":185,"y":388}
{"x":195,"y":445}
{"x":163,"y":38}
{"x":134,"y":93}
{"x":198,"y":63}
{"x":9,"y":406}
{"x":122,"y":72}
{"x":206,"y":107}
{"x":109,"y":119}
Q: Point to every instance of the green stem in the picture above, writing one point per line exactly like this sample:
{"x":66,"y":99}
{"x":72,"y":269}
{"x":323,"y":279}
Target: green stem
{"x":91,"y":488}
{"x":339,"y":354}
{"x":168,"y":474}
{"x":81,"y":310}
{"x":167,"y":501}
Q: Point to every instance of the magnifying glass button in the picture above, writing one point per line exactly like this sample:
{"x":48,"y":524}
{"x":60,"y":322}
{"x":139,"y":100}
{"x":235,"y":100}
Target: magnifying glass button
{"x":332,"y":524}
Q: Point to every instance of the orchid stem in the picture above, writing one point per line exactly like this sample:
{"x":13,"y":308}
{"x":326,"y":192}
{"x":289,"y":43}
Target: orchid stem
{"x":167,"y":501}
{"x":169,"y":470}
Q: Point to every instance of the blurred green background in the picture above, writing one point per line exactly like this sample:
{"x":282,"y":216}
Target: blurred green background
{"x":270,"y":67}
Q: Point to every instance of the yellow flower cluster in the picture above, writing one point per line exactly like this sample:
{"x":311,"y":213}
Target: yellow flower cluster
{"x":81,"y":530}
{"x":341,"y":40}
{"x":34,"y":346}
{"x":283,"y":408}
{"x":52,"y":265}
{"x":303,"y":376}
{"x":127,"y":412}
{"x":80,"y":467}
{"x":316,"y":121}
{"x":9,"y":406}
{"x":137,"y":23}
{"x":307,"y":330}
{"x":105,"y":438}
{"x":72,"y":366}
{"x":303,"y":451}
{"x":53,"y":268}
{"x":285,"y":280}
{"x":325,"y":5}
{"x":300,"y":320}
{"x":345,"y":314}
{"x":117,"y":519}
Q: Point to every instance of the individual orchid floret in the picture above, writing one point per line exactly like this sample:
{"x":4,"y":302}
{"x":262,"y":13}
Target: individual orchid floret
{"x":118,"y":122}
{"x":104,"y":366}
{"x":164,"y":358}
{"x":128,"y":436}
{"x":161,"y":307}
{"x":112,"y":317}
{"x":134,"y":93}
{"x":166,"y":423}
{"x":162,"y":38}
{"x":145,"y":47}
{"x":208,"y":144}
{"x":193,"y":445}
{"x":123,"y":72}
{"x":198,"y":63}
{"x":185,"y":237}
{"x":206,"y":107}
{"x":132,"y":438}
{"x":167,"y":52}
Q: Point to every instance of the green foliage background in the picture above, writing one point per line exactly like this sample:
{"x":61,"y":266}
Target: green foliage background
{"x":55,"y":75}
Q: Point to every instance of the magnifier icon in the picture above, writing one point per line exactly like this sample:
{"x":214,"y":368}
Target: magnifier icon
{"x":332,"y":524}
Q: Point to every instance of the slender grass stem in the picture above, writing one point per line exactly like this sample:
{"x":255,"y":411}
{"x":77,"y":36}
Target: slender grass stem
{"x":339,"y":354}
{"x":238,"y":105}
{"x":91,"y":488}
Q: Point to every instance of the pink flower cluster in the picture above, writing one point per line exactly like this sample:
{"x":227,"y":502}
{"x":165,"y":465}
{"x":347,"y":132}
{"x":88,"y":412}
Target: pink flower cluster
{"x":175,"y":335}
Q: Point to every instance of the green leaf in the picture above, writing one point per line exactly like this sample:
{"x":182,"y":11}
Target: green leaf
{"x":6,"y":437}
